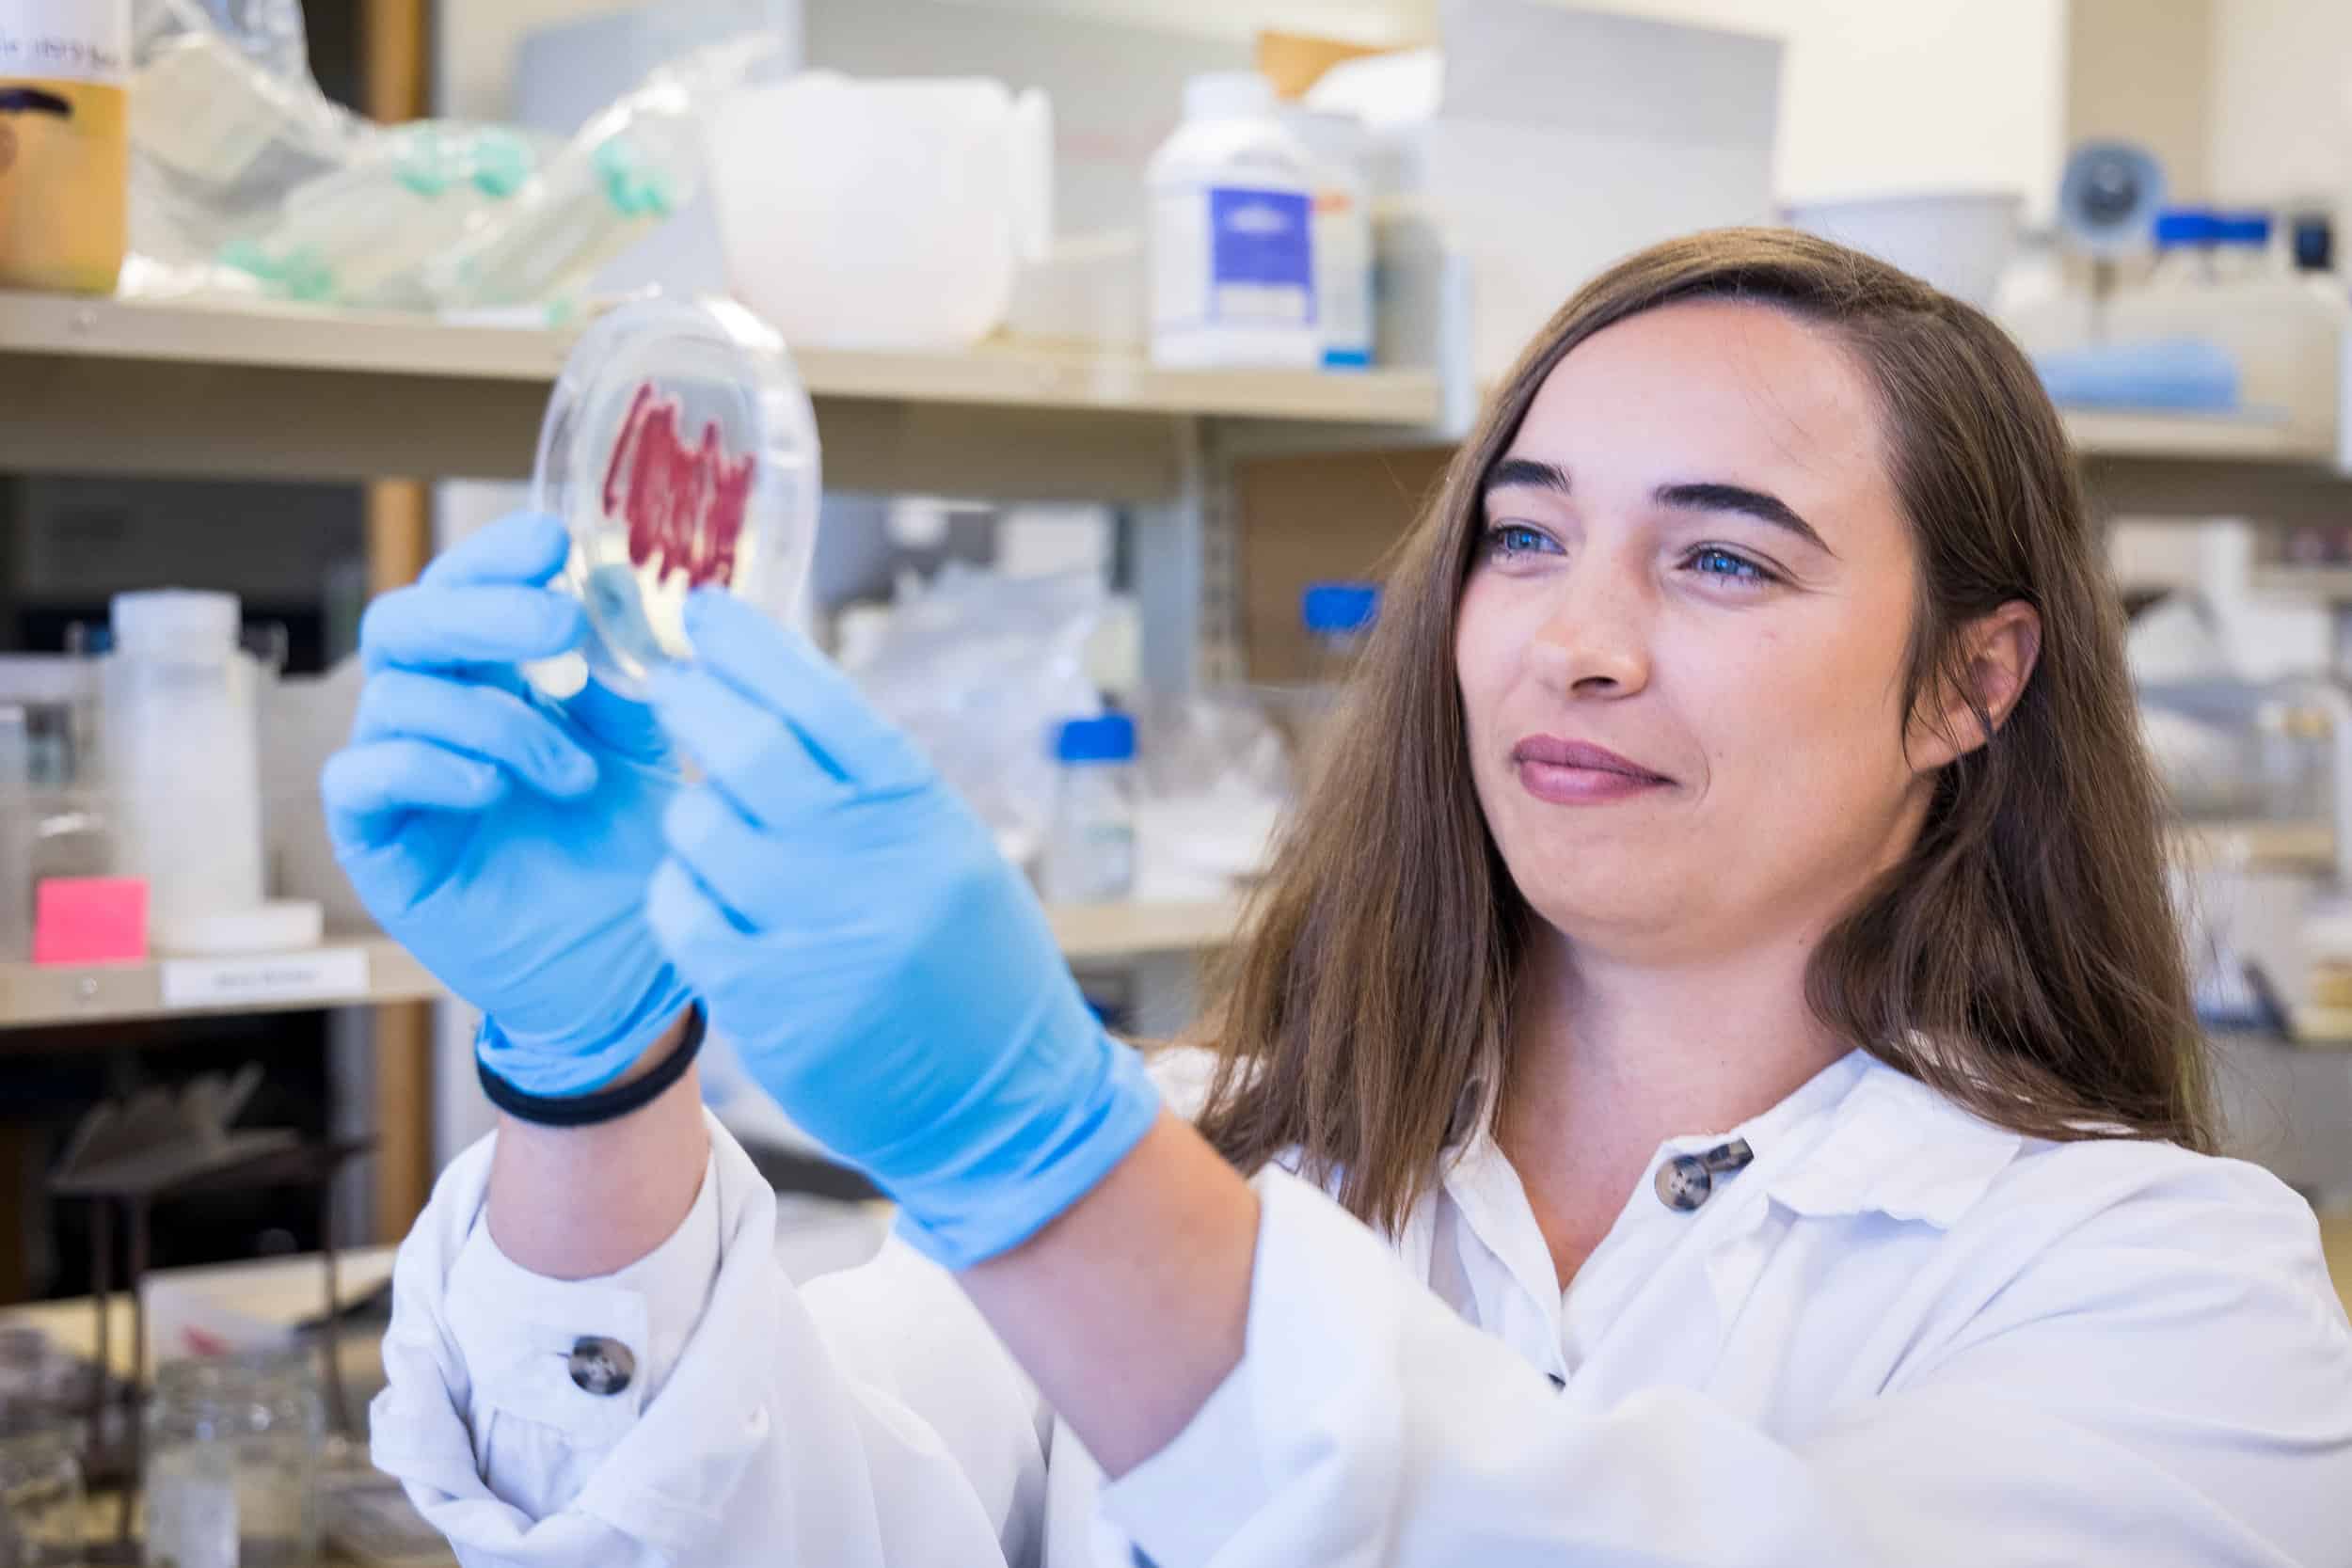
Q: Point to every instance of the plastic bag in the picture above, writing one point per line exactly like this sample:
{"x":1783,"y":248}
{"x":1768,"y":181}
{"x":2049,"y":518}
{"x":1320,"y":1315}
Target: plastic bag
{"x":1216,"y":778}
{"x":979,"y":668}
{"x":247,"y":181}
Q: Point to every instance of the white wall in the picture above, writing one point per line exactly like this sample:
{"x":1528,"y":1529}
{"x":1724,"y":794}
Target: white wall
{"x":1891,"y":95}
{"x":2281,"y":102}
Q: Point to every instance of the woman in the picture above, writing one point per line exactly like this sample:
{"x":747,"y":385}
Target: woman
{"x":1711,"y":1080}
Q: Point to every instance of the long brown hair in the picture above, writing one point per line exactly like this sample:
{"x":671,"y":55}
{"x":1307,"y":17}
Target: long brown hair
{"x":2023,"y":959}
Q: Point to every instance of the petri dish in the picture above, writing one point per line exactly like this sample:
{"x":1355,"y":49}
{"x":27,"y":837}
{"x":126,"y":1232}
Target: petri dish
{"x":680,"y":450}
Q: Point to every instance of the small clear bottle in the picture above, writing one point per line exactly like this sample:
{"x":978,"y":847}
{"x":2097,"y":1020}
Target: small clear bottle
{"x":41,"y":1504}
{"x":2186,"y":238}
{"x":1337,"y":617}
{"x":231,"y":1462}
{"x":1090,"y":850}
{"x":2241,"y":247}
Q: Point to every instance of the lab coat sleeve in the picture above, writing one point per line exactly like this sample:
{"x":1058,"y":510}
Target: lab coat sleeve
{"x":2167,"y":1385}
{"x":870,"y":1421}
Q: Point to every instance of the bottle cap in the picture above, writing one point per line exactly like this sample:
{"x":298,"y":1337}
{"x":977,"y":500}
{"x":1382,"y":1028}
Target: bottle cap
{"x":680,"y":450}
{"x":1228,"y":95}
{"x":2248,"y":228}
{"x":174,"y":623}
{"x":1336,"y":608}
{"x":1109,"y":738}
{"x":2314,"y":244}
{"x":2185,"y":225}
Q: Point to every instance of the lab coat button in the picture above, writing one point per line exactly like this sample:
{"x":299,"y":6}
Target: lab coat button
{"x":601,"y":1366}
{"x":1684,"y":1181}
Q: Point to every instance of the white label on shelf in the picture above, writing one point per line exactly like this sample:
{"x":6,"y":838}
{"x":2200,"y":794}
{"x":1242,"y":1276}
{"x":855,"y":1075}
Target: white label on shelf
{"x":66,"y":40}
{"x":323,"y":974}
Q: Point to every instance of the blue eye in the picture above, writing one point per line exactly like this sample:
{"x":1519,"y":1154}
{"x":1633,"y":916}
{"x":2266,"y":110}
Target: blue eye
{"x":1711,"y":562}
{"x":1516,"y":539}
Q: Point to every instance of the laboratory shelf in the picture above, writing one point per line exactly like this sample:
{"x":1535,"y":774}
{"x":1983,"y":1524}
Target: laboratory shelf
{"x":345,"y":971}
{"x":307,"y":392}
{"x":2329,"y":584}
{"x":2196,"y":437}
{"x":366,"y":968}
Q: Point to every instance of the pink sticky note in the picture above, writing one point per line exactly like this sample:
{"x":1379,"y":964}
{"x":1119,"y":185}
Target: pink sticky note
{"x":89,"y":920}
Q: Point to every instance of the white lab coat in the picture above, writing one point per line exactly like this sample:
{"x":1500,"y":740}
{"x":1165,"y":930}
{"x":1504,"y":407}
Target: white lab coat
{"x":1900,"y":1336}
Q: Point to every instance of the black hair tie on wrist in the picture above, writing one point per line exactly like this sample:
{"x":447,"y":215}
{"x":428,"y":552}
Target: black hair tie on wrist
{"x":586,"y":1110}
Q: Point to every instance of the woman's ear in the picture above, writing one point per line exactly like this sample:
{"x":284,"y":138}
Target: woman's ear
{"x":1996,"y":658}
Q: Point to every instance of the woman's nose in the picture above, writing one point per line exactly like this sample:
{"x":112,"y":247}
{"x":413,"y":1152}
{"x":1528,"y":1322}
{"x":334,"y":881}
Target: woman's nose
{"x":1594,"y":640}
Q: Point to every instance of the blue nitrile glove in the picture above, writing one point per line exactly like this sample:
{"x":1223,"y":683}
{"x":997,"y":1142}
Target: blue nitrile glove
{"x":503,"y":839}
{"x":886,"y":975}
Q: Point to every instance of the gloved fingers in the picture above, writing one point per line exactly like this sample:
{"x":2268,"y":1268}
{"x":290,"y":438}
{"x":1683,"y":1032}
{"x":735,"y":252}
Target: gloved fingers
{"x":483,"y":721}
{"x":443,"y":628}
{"x":746,"y":749}
{"x":526,"y":549}
{"x":736,"y":864}
{"x":621,"y":724}
{"x":783,"y":671}
{"x":369,"y":786}
{"x":693,"y":929}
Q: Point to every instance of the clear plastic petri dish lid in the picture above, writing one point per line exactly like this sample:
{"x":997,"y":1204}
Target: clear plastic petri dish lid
{"x":680,"y":450}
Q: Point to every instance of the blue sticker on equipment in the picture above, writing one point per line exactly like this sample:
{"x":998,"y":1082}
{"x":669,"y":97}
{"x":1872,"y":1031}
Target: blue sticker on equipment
{"x":1260,"y":237}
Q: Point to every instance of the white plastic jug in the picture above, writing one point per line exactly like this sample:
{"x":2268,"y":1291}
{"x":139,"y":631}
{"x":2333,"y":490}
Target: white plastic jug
{"x":886,"y":215}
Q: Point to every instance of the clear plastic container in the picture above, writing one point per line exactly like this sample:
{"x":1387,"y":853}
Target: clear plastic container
{"x":915,"y":241}
{"x":231,"y":1462}
{"x":1089,"y":852}
{"x":680,"y":450}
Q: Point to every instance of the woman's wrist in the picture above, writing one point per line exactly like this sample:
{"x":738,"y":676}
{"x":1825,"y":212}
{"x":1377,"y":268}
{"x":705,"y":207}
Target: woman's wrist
{"x":627,"y":1088}
{"x":581,"y":1202}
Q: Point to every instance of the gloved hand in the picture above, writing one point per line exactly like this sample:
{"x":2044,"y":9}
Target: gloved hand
{"x":503,"y":838}
{"x":886,"y":975}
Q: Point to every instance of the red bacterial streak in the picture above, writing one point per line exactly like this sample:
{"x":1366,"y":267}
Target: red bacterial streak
{"x":684,"y":505}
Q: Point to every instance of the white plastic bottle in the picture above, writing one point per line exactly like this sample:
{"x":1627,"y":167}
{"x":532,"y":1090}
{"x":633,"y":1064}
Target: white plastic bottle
{"x":1091,"y":851}
{"x":1336,"y":141}
{"x":1230,"y":237}
{"x":183,"y":753}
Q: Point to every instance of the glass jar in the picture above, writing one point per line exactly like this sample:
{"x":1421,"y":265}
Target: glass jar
{"x":232,"y":1446}
{"x":40,"y":1496}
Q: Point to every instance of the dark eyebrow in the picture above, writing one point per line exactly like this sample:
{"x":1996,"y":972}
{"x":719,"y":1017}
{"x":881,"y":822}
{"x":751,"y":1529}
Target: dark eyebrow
{"x":1748,"y":503}
{"x":1535,"y":474}
{"x":1529,"y":473}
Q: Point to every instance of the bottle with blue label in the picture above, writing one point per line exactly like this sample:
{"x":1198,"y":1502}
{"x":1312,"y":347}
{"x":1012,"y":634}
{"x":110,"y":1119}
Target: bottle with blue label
{"x":1231,"y":227}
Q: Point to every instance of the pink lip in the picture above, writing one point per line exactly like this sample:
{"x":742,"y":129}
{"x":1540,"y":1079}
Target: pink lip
{"x":1577,"y":773}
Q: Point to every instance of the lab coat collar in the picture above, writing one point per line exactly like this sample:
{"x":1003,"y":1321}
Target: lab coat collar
{"x":1898,"y":1148}
{"x":1483,"y":1186}
{"x":1866,"y":1138}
